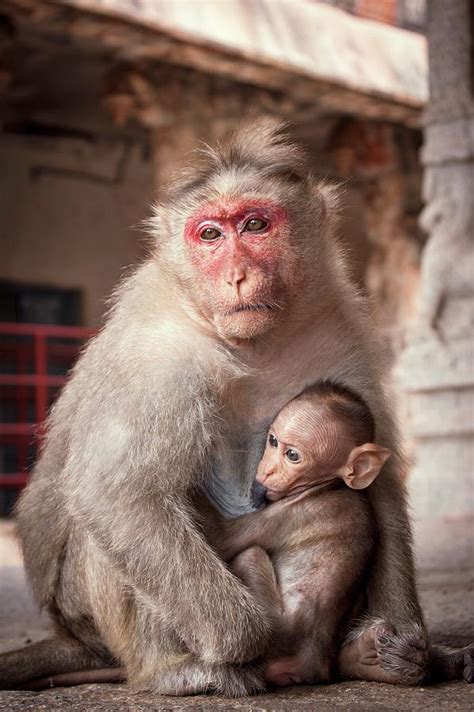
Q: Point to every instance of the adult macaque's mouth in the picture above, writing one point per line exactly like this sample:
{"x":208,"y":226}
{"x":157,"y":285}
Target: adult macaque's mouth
{"x":257,"y":307}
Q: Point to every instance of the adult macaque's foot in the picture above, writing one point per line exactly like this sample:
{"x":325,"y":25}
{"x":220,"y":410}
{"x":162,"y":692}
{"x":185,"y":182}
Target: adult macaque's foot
{"x":382,"y":654}
{"x":359,"y":659}
{"x":404,"y":655}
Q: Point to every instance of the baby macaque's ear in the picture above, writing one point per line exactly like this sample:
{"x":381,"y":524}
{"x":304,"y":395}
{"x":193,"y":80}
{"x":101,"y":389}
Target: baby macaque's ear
{"x":363,"y":465}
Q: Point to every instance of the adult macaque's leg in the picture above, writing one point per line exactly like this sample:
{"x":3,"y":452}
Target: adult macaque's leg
{"x":392,"y":595}
{"x":81,"y":677}
{"x":189,"y":676}
{"x":359,"y":659}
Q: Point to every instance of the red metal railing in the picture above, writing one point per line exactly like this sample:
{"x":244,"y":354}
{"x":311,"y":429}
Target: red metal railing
{"x":29,"y":355}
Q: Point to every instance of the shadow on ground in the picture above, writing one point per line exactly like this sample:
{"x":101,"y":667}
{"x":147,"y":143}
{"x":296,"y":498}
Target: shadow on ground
{"x":445,"y":554}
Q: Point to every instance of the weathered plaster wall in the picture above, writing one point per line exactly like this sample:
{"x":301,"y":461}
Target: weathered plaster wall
{"x":69,"y":214}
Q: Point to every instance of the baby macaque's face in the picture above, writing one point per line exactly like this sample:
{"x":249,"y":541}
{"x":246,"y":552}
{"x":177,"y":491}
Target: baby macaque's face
{"x":307,"y":447}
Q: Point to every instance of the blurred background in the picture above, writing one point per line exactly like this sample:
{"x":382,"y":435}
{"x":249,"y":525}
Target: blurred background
{"x":101,"y":98}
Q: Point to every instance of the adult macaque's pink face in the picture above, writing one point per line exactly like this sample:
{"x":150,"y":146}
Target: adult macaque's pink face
{"x":243,"y":262}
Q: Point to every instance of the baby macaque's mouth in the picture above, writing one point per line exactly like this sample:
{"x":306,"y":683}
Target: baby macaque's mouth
{"x":273,"y":495}
{"x":258,"y":494}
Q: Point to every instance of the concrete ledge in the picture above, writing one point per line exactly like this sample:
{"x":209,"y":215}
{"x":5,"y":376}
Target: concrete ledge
{"x":310,"y":52}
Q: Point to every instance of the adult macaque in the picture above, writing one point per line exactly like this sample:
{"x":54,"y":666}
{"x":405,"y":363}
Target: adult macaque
{"x":244,"y":302}
{"x":308,"y":552}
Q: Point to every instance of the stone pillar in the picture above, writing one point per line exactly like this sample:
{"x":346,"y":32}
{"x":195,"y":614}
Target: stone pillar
{"x":437,"y":367}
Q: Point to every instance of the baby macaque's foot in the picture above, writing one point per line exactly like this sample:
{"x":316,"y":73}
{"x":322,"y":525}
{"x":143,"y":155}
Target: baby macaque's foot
{"x":299,"y":669}
{"x":283,"y":672}
{"x":383,"y":655}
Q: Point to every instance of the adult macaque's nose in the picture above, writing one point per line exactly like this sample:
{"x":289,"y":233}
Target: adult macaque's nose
{"x":258,"y":494}
{"x":235,"y":275}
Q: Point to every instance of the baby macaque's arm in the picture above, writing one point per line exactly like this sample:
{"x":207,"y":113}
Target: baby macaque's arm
{"x":242,"y":533}
{"x":231,"y":536}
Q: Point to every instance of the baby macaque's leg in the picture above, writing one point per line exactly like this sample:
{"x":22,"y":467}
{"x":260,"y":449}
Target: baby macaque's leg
{"x":314,"y":659}
{"x":373,"y":656}
{"x":305,"y":649}
{"x":254,"y":567}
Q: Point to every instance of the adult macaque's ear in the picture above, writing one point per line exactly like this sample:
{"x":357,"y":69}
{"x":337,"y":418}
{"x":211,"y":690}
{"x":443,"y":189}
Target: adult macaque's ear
{"x":363,"y":465}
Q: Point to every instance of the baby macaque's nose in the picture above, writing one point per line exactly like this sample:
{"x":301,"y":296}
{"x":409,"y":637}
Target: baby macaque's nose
{"x":258,"y":494}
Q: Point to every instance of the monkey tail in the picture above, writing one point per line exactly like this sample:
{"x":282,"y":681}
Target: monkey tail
{"x":49,"y":663}
{"x":80,"y":677}
{"x":450,"y":664}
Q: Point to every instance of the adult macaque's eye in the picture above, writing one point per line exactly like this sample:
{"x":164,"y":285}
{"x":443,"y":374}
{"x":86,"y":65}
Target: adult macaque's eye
{"x":272,"y":440}
{"x":210,"y":234}
{"x":255,"y":225}
{"x":292,"y":455}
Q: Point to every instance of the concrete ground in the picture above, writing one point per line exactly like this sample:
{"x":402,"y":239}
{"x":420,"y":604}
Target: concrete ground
{"x":445,"y":554}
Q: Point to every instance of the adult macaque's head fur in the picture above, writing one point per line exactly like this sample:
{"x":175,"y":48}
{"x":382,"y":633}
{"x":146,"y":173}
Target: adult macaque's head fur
{"x":243,"y":232}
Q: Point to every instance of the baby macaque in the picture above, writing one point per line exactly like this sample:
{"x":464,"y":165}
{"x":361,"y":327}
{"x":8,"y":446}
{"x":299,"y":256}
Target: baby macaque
{"x":306,"y":554}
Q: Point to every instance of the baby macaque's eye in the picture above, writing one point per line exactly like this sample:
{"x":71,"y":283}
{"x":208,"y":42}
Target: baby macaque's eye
{"x":292,"y":455}
{"x":272,"y":440}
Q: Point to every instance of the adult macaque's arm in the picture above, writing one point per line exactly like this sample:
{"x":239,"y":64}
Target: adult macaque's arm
{"x":392,"y":587}
{"x":132,"y":497}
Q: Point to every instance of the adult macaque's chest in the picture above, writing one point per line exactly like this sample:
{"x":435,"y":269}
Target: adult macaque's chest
{"x":250,"y":405}
{"x":248,"y":411}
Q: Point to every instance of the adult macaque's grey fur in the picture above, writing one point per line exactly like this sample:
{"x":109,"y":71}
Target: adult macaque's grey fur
{"x":165,"y":400}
